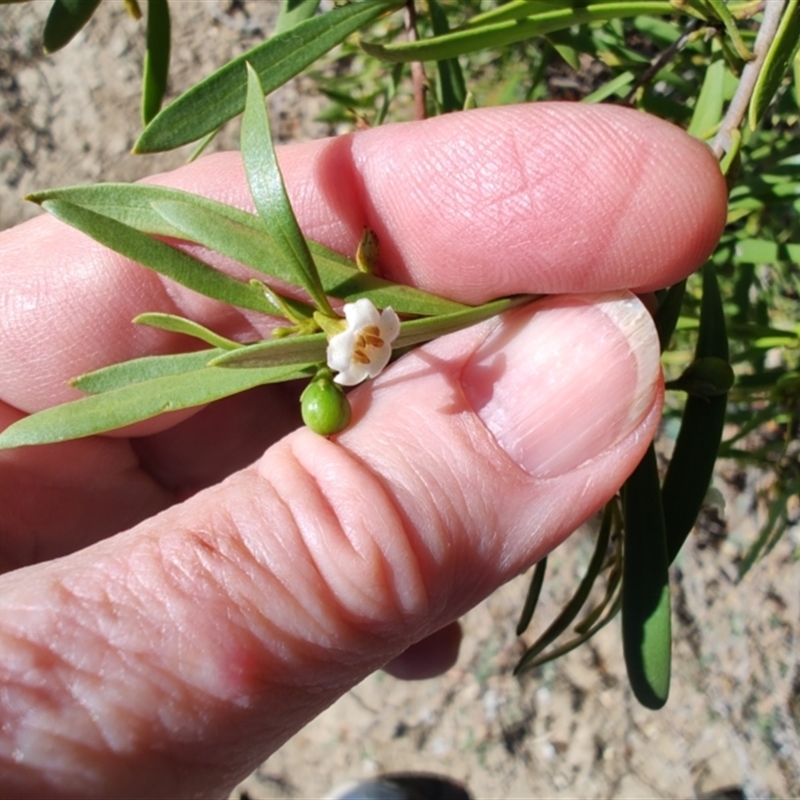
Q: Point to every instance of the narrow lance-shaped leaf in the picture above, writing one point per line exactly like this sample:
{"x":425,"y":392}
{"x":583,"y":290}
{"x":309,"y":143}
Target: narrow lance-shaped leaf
{"x":270,"y":197}
{"x":646,"y":617}
{"x":584,"y":636}
{"x":293,"y":12}
{"x":117,"y":408}
{"x":452,"y":93}
{"x":614,"y":86}
{"x":668,"y":313}
{"x":773,"y":529}
{"x":500,"y":34}
{"x":221,"y":96}
{"x":412,"y":332}
{"x":708,"y":107}
{"x":720,"y":8}
{"x":275,"y":352}
{"x":241,"y":236}
{"x":176,"y":324}
{"x":692,"y":463}
{"x":138,"y":370}
{"x":576,"y":602}
{"x":156,"y":58}
{"x":65,"y":19}
{"x":513,"y":10}
{"x":532,"y":598}
{"x":779,"y":58}
{"x":160,"y":257}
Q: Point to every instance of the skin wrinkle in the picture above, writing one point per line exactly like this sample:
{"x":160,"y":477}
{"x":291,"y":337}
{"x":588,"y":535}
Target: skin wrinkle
{"x":198,"y":571}
{"x":311,"y":626}
{"x":304,"y":645}
{"x":35,"y":723}
{"x":128,"y":727}
{"x":385,"y":552}
{"x":428,"y":535}
{"x":386,"y":499}
{"x":133,"y":662}
{"x":439,"y":528}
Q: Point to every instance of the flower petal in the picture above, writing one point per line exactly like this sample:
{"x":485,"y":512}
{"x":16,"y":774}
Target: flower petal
{"x":365,"y":347}
{"x":389,"y":325}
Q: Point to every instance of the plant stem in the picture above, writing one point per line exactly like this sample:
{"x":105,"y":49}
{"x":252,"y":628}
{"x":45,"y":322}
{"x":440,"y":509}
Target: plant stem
{"x":737,"y":109}
{"x":417,"y":70}
{"x":663,"y":59}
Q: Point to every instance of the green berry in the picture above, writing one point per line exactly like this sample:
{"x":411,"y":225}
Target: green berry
{"x":705,"y":377}
{"x":325,"y":407}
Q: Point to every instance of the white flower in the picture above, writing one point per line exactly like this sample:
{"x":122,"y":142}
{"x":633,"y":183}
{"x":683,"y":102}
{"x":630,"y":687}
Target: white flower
{"x":363,"y":349}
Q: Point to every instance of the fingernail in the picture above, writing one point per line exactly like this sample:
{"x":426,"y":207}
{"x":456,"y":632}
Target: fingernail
{"x":565,"y":379}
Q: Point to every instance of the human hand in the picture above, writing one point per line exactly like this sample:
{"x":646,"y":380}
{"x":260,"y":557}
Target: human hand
{"x":177,"y":603}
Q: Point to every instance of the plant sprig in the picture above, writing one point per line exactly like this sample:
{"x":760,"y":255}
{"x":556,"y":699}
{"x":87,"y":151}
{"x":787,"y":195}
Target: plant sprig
{"x":128,"y":219}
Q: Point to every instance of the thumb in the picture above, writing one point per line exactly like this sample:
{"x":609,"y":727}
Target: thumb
{"x":171,"y":659}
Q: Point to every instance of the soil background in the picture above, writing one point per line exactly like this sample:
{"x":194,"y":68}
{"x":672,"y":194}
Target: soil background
{"x":570,"y":729}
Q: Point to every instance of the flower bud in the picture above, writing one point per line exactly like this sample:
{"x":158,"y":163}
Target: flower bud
{"x":705,"y":377}
{"x":324,"y":406}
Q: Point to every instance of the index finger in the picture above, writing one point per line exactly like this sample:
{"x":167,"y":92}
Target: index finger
{"x":536,"y":198}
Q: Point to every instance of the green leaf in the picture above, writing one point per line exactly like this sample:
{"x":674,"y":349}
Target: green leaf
{"x":293,"y":12}
{"x":494,"y":34}
{"x":65,"y":19}
{"x":576,"y":602}
{"x":305,"y":349}
{"x":779,"y":58}
{"x":614,"y":86}
{"x":417,"y":331}
{"x":221,"y":96}
{"x":720,"y":8}
{"x":270,"y":197}
{"x":646,"y":623}
{"x":342,"y":279}
{"x":778,"y":521}
{"x":413,"y":332}
{"x":138,"y":370}
{"x":514,"y":10}
{"x":160,"y":257}
{"x":451,"y":91}
{"x":156,"y":58}
{"x":176,"y":324}
{"x":116,"y":408}
{"x":532,"y":598}
{"x":692,"y":463}
{"x":239,"y":235}
{"x":668,"y":313}
{"x":765,"y":251}
{"x":708,"y":107}
{"x":585,"y":634}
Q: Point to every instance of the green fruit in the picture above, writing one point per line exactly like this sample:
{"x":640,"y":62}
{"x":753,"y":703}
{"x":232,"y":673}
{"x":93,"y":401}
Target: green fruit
{"x":708,"y":376}
{"x":325,"y":407}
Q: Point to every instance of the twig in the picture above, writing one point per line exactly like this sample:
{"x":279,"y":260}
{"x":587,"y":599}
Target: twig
{"x":662,"y":59}
{"x":417,"y":70}
{"x":773,"y":11}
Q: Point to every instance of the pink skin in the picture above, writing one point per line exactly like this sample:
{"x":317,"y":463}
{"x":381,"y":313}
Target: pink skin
{"x":214,"y":583}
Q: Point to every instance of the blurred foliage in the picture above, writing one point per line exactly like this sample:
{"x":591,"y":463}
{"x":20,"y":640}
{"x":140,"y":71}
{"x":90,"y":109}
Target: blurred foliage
{"x":728,"y":73}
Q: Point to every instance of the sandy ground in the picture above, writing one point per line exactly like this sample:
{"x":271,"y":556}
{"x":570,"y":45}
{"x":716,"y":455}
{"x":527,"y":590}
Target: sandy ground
{"x":570,"y":729}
